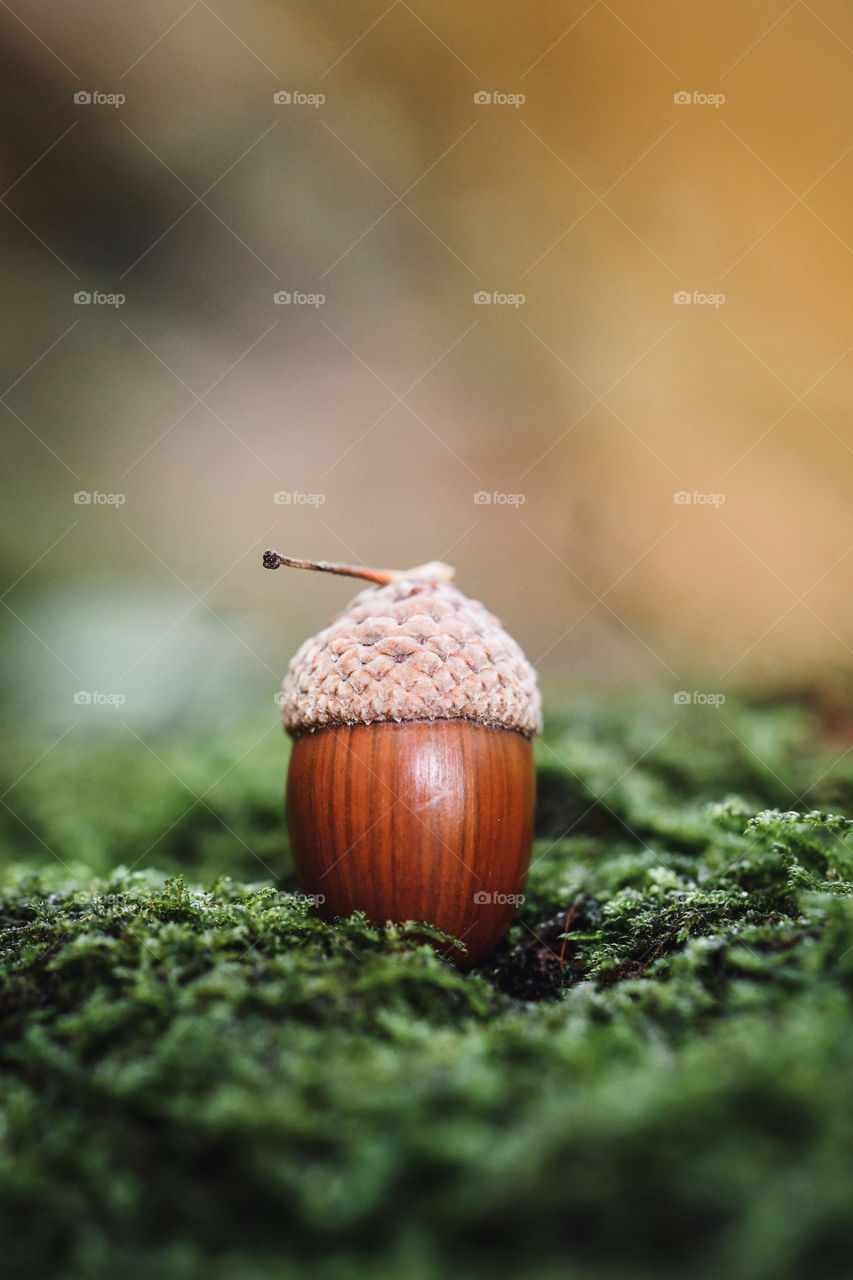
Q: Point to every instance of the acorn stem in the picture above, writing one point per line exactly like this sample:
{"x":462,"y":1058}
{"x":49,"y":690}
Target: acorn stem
{"x":435,"y":569}
{"x":272,"y":560}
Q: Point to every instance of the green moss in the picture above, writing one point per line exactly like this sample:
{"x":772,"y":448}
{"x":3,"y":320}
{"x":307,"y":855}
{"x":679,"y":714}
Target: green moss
{"x":200,"y":1078}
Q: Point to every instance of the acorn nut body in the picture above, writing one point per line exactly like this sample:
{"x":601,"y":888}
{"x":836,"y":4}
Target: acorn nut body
{"x":411,"y":786}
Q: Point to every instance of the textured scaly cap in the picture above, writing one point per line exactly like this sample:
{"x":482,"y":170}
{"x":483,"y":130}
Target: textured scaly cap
{"x":416,"y":649}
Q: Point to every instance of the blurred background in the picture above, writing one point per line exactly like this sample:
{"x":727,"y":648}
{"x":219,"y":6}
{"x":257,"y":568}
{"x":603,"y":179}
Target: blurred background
{"x":562,"y":294}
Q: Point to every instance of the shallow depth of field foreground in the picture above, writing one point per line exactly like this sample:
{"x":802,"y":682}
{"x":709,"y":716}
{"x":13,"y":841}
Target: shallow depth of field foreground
{"x":199,"y":1078}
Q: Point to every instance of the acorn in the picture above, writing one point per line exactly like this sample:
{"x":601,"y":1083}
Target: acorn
{"x":411,"y":785}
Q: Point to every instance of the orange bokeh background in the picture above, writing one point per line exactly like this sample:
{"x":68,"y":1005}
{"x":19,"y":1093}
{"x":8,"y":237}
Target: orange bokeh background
{"x":581,"y":411}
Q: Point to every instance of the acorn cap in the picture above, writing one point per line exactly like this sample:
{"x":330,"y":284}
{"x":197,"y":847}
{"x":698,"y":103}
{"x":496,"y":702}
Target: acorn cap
{"x":414,"y":649}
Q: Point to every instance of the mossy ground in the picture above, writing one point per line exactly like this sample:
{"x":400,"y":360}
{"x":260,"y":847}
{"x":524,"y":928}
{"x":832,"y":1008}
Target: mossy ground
{"x":199,"y":1078}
